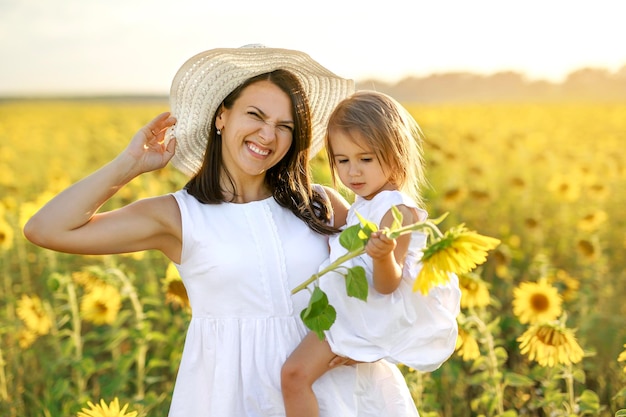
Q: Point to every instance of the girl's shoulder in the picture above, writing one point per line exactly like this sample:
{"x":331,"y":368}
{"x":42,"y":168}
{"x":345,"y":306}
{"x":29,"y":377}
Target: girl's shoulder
{"x":382,"y":202}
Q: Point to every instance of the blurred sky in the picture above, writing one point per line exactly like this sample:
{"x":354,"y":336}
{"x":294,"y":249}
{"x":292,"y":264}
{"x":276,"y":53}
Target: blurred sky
{"x":136,"y":46}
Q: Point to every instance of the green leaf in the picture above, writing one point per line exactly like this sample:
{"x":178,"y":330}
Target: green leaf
{"x":621,"y":393}
{"x":621,"y":413}
{"x":59,"y":387}
{"x":440,"y":218}
{"x":501,"y":354}
{"x":319,"y":314}
{"x":356,"y":283}
{"x":397,"y":218}
{"x":512,"y":379}
{"x":589,"y":401}
{"x":349,"y":238}
{"x":367,"y":227}
{"x":579,"y":376}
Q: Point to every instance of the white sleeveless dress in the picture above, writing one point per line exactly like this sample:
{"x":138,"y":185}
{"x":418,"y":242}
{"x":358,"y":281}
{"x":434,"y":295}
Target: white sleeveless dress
{"x":239,"y":264}
{"x":406,"y":327}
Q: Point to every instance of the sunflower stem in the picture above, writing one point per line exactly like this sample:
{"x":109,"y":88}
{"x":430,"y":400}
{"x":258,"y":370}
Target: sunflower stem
{"x":492,"y":360}
{"x":393,"y":234}
{"x":76,"y":336}
{"x":330,"y":267}
{"x":568,"y":375}
{"x":4,"y":389}
{"x":142,"y":345}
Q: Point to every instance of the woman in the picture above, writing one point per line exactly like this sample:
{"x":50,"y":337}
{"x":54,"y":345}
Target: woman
{"x":245,"y":230}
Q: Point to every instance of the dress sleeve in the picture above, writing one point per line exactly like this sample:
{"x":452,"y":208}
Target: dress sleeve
{"x":184,"y":200}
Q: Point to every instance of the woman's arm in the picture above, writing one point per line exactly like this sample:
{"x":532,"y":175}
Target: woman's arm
{"x":70,"y":222}
{"x":340,"y":206}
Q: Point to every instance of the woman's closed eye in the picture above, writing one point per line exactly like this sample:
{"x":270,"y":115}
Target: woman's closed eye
{"x":255,"y":116}
{"x":285,"y":128}
{"x":281,"y":127}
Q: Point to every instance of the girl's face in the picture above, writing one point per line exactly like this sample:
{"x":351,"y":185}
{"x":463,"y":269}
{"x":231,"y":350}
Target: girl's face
{"x":357,"y":165}
{"x":257,"y":131}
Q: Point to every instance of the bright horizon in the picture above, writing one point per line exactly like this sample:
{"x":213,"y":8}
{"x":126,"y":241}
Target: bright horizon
{"x":136,"y":46}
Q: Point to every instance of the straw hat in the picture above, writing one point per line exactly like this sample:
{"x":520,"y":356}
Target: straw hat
{"x":204,"y":81}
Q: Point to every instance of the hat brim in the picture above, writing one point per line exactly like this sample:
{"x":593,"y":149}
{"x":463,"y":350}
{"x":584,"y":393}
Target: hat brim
{"x":206,"y":79}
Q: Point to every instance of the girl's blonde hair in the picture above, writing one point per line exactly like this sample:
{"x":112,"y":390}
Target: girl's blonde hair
{"x":388,"y":129}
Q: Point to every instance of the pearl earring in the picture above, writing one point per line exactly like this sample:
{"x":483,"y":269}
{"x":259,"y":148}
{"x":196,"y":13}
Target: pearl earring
{"x":219,"y":132}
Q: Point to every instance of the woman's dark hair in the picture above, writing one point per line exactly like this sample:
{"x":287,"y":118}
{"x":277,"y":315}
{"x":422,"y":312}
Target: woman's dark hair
{"x":289,"y":179}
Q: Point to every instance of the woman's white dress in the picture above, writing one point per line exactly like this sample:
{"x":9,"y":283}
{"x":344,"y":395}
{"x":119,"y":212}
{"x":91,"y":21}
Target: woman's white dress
{"x":405,"y":327}
{"x":239,"y":264}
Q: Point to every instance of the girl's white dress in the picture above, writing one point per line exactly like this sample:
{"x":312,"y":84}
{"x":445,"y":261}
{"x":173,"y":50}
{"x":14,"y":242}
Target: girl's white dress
{"x":239,"y":264}
{"x":405,"y":327}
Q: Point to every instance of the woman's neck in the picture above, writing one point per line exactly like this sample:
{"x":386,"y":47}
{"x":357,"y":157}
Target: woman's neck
{"x":245,"y":190}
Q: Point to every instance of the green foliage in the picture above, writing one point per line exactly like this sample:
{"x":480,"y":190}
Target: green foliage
{"x":356,"y":283}
{"x":319,"y":314}
{"x":488,"y":165}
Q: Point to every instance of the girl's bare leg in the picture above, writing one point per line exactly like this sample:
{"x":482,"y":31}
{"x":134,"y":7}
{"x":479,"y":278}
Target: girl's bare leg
{"x":306,"y":364}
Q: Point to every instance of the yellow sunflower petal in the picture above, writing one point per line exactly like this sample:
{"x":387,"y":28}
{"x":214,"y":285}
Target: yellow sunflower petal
{"x":536,"y":302}
{"x":550,"y":344}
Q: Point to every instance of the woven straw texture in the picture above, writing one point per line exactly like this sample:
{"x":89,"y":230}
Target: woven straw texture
{"x":204,"y":81}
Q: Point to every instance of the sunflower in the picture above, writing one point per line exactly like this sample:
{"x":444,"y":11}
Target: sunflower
{"x":137,"y":256}
{"x":104,"y":410}
{"x":502,"y":259}
{"x":7,"y":176}
{"x":101,"y":304}
{"x":453,"y":196}
{"x":175,"y":291}
{"x":587,"y":249}
{"x":599,"y":191}
{"x":26,"y":338}
{"x":550,"y":343}
{"x":570,"y":285}
{"x":533,"y":302}
{"x":480,"y":195}
{"x":592,"y":221}
{"x":6,"y":235}
{"x":32,"y":313}
{"x":564,"y":187}
{"x":86,"y":279}
{"x":474,"y":291}
{"x":622,"y":357}
{"x":517,"y":182}
{"x":532,"y":224}
{"x":458,"y":251}
{"x":466,"y":346}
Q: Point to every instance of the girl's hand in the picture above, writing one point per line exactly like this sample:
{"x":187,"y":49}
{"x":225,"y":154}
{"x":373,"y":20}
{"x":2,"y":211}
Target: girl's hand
{"x":148,"y":147}
{"x":379,"y":245}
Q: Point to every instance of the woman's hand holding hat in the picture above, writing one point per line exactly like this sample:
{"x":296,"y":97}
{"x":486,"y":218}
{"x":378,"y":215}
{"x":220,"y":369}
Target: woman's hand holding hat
{"x":149,"y":148}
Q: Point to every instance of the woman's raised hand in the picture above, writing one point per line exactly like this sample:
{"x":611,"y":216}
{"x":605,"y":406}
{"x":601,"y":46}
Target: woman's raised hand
{"x":148,"y":146}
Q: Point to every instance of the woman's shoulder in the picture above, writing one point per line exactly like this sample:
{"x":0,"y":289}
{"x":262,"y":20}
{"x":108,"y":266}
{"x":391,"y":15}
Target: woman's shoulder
{"x":339,"y":204}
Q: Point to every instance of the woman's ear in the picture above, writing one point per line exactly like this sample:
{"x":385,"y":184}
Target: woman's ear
{"x":219,"y":120}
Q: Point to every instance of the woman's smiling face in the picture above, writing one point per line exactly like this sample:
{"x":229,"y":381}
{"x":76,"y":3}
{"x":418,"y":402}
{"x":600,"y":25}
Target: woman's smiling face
{"x":257,"y":131}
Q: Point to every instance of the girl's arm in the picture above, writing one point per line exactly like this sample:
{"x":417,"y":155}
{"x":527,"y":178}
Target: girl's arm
{"x":70,"y":222}
{"x":388,"y":254}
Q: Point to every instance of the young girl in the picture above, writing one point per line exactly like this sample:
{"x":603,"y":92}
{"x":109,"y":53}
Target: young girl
{"x":374,"y":147}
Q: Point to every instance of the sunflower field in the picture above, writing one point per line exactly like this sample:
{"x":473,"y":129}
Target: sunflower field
{"x":542,"y":326}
